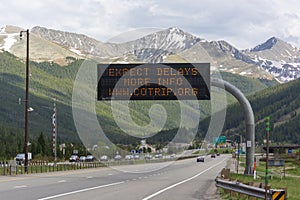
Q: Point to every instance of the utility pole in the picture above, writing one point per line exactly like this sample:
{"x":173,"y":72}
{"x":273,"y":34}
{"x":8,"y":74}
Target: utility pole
{"x":54,"y":136}
{"x":26,"y":99}
{"x":267,"y":156}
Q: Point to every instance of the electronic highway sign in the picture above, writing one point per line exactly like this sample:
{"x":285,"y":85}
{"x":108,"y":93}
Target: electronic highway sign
{"x":165,"y":81}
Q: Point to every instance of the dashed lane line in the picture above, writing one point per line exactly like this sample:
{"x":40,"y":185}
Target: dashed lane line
{"x":181,"y":182}
{"x":83,"y":190}
{"x":20,"y":186}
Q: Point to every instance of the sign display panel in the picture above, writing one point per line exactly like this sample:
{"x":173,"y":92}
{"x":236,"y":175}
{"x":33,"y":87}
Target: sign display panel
{"x":167,"y":81}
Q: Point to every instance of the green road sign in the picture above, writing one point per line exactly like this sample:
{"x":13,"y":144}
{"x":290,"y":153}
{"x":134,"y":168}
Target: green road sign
{"x":220,"y":140}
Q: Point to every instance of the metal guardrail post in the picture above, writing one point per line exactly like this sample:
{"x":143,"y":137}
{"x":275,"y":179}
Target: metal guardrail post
{"x":242,"y":188}
{"x":251,"y":190}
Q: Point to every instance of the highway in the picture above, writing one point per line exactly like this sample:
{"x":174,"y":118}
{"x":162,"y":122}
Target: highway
{"x":183,"y":179}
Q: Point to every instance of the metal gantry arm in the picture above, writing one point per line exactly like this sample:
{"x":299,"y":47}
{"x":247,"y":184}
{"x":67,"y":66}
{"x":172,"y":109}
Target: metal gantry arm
{"x":249,"y":119}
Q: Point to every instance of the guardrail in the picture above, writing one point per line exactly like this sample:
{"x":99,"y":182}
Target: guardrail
{"x":13,"y":168}
{"x":38,"y":166}
{"x":251,"y":190}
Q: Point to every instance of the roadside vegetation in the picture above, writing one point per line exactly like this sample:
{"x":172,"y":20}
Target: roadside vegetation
{"x":276,"y":178}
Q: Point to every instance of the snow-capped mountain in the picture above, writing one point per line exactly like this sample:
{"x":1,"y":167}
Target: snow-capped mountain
{"x":278,"y":58}
{"x":78,"y":43}
{"x":154,"y":47}
{"x":150,"y":48}
{"x":40,"y":48}
{"x":273,"y":58}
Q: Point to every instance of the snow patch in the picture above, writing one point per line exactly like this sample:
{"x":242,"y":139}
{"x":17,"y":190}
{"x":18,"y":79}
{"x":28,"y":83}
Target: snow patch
{"x":233,"y":70}
{"x":2,"y":30}
{"x":255,"y":59}
{"x":245,"y":73}
{"x":9,"y":41}
{"x":288,"y":53}
{"x":176,"y":39}
{"x":213,"y":68}
{"x":76,"y":51}
{"x":281,"y":70}
{"x":122,"y":62}
{"x":174,"y":29}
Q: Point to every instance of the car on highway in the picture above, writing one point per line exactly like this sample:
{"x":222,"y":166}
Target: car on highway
{"x":159,"y":156}
{"x":118,"y":157}
{"x":20,"y":158}
{"x":128,"y":157}
{"x":74,"y":158}
{"x":82,"y":158}
{"x":90,"y":158}
{"x":136,"y":156}
{"x":104,"y":158}
{"x":173,"y":155}
{"x":213,"y":155}
{"x":200,"y":158}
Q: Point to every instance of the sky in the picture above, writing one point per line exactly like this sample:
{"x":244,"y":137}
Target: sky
{"x":242,"y":23}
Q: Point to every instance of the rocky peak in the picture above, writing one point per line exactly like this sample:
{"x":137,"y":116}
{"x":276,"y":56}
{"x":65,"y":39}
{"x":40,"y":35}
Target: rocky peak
{"x":152,"y":47}
{"x":266,"y":45}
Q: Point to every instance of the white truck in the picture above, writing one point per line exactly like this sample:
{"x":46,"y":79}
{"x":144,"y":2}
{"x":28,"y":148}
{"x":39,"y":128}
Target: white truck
{"x":20,"y":158}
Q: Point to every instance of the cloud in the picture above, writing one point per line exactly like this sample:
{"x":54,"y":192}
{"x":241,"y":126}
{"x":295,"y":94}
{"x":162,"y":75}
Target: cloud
{"x":241,"y":22}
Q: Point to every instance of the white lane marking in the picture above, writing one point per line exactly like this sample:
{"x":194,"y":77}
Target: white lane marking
{"x":61,"y":181}
{"x":20,"y":186}
{"x":89,"y":177}
{"x":181,"y":182}
{"x":83,"y":190}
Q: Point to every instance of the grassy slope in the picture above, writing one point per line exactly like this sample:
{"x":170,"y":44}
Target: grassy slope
{"x":281,"y":103}
{"x":50,"y":80}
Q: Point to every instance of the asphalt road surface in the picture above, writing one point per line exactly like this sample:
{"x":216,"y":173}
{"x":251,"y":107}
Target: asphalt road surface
{"x":184,"y":179}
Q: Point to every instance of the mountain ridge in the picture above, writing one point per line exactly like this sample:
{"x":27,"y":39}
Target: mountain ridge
{"x":272,"y":59}
{"x":50,"y":80}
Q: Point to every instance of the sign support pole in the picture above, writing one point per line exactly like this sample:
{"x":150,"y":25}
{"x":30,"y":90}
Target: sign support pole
{"x":267,"y":156}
